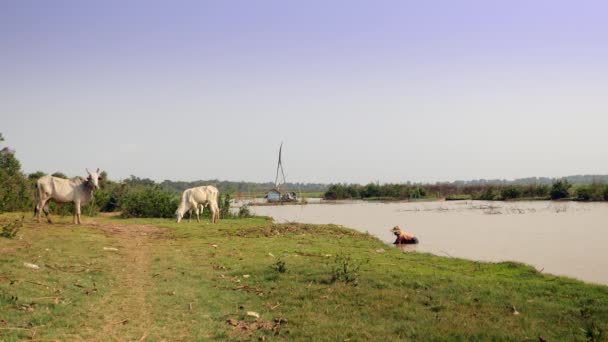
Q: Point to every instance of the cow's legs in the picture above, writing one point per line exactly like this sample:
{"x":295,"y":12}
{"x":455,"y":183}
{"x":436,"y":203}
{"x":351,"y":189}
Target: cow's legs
{"x":77,"y":212}
{"x":196,"y":209}
{"x":44,"y":206}
{"x":40,"y":206}
{"x":38,"y":211}
{"x":190,"y":217}
{"x":214,"y":212}
{"x":217,"y":213}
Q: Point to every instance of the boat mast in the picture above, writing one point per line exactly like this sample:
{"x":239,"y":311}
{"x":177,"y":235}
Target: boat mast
{"x":279,"y":166}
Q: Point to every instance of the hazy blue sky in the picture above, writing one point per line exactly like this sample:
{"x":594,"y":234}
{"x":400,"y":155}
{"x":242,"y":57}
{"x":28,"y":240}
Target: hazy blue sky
{"x":359,"y":91}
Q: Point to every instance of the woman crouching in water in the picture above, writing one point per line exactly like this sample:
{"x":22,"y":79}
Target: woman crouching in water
{"x":403,"y":237}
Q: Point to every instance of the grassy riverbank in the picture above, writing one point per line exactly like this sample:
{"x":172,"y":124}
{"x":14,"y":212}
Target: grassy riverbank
{"x":322,"y":282}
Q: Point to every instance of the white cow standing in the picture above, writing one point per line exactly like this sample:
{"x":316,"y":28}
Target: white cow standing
{"x":199,"y":196}
{"x":77,"y":190}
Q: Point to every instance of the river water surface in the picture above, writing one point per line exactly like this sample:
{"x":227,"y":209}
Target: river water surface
{"x":564,"y":238}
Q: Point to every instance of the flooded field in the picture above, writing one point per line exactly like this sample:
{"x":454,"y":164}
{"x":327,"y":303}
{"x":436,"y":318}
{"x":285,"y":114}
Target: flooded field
{"x":565,"y":238}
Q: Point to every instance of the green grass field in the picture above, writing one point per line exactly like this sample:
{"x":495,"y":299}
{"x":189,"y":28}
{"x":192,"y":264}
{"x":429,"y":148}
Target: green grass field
{"x":154,"y":280}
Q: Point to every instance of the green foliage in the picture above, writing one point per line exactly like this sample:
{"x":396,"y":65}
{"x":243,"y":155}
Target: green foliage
{"x":375,"y":190}
{"x":417,"y":192}
{"x":345,"y":269}
{"x":583,"y":193}
{"x":136,"y":181}
{"x":59,"y":175}
{"x":35,"y":176}
{"x":244,"y":212}
{"x":11,"y":229}
{"x":535,"y":190}
{"x":279,"y":266}
{"x":224,"y":204}
{"x":489,"y":194}
{"x":229,"y":187}
{"x":510,"y":192}
{"x":15,"y":191}
{"x":107,"y":198}
{"x":560,"y":189}
{"x":591,"y":192}
{"x":148,"y":201}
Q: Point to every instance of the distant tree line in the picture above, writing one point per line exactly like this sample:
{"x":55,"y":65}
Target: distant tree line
{"x":558,"y":189}
{"x":242,"y":187}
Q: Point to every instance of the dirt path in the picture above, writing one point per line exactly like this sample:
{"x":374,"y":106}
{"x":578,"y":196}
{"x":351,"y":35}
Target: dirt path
{"x":127,"y":315}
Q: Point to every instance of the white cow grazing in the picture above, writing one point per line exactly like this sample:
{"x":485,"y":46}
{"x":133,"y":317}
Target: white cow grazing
{"x":201,"y":195}
{"x":77,"y":190}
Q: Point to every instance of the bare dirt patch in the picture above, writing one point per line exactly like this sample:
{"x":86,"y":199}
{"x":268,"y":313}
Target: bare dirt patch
{"x":127,"y":314}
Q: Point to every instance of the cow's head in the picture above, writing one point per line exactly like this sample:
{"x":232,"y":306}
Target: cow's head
{"x":179,"y":213}
{"x":94,"y":178}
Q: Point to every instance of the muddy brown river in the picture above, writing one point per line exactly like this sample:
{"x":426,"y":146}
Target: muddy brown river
{"x":564,"y":238}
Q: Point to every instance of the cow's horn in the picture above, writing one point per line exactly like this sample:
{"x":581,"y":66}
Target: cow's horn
{"x":97,"y":170}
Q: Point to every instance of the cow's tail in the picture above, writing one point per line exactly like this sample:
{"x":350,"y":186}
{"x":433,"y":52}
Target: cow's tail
{"x":36,"y":199}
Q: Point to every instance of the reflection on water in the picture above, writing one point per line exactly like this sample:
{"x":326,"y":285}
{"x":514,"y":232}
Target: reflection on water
{"x":566,"y":238}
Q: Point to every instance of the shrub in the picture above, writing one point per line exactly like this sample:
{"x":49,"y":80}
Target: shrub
{"x":489,"y":194}
{"x":59,"y":175}
{"x":345,"y":269}
{"x":371,"y":190}
{"x":536,"y":190}
{"x":224,"y":204}
{"x":10,"y":230}
{"x":148,"y":201}
{"x":591,"y":192}
{"x":244,"y":211}
{"x":510,"y":192}
{"x":279,"y":266}
{"x":15,"y":190}
{"x":417,"y":192}
{"x":560,"y":189}
{"x":583,"y":193}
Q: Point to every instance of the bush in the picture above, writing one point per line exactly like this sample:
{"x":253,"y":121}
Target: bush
{"x":279,"y":266}
{"x":583,"y":193}
{"x":489,"y":194}
{"x":11,"y":229}
{"x":148,"y":201}
{"x":560,"y":189}
{"x":15,"y":190}
{"x":591,"y":192}
{"x":510,"y":192}
{"x":224,"y":204}
{"x":417,"y":192}
{"x":536,"y":190}
{"x":244,"y":212}
{"x":345,"y":269}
